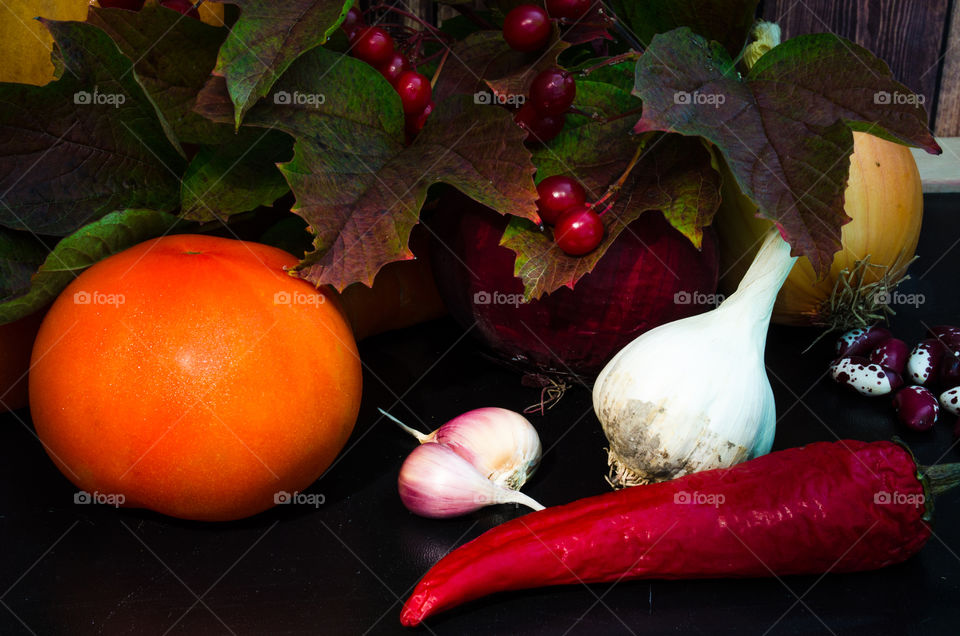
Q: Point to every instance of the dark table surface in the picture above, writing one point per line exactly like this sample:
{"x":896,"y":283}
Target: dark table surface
{"x":345,"y":567}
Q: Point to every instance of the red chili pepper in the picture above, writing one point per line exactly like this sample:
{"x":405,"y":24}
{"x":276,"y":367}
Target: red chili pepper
{"x":841,"y":506}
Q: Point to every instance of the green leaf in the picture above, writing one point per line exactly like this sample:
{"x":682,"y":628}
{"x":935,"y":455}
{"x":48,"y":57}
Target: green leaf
{"x":784,"y":129}
{"x":357,"y":185}
{"x":84,"y":145}
{"x":267,"y":38}
{"x":113,"y":233}
{"x":725,"y":21}
{"x":674,"y":175}
{"x":235,"y":177}
{"x":173,"y":58}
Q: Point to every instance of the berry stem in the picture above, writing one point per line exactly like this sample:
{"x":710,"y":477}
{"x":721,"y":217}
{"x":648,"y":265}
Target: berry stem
{"x":436,"y":73}
{"x":610,"y":61}
{"x":616,"y":185}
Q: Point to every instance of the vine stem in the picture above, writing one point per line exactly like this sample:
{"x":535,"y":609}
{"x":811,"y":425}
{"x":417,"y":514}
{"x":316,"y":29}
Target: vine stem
{"x":615,"y":187}
{"x":436,"y":73}
{"x":610,"y":61}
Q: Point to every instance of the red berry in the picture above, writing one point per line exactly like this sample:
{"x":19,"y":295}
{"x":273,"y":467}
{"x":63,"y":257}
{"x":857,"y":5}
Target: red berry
{"x":557,"y":194}
{"x":541,"y":127}
{"x":352,"y":22}
{"x":414,"y":90}
{"x":373,"y":45}
{"x":552,"y":91}
{"x":183,"y":6}
{"x":527,"y":28}
{"x":394,"y":67}
{"x":578,"y":231}
{"x":129,"y":5}
{"x":569,"y":9}
{"x":415,"y":123}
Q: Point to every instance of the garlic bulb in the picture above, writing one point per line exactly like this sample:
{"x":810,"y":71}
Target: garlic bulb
{"x":693,"y":394}
{"x":501,"y":444}
{"x":436,"y":482}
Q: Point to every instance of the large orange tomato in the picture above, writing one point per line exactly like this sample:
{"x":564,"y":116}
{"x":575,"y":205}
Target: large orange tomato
{"x":193,"y":376}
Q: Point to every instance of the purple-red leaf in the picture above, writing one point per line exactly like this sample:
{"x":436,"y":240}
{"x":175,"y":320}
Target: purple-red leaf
{"x":785,"y":128}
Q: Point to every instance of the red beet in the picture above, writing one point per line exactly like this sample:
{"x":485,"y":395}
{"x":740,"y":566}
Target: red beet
{"x":631,"y":290}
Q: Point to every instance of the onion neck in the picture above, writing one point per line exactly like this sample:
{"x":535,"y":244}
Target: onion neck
{"x":757,"y":292}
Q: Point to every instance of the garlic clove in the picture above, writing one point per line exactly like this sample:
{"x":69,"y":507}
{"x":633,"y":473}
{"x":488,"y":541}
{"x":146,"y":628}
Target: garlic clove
{"x":501,"y":444}
{"x":436,"y":482}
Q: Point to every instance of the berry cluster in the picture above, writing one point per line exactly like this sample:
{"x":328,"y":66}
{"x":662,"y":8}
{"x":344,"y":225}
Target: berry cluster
{"x":562,"y":203}
{"x":543,"y":114}
{"x":873,"y":362}
{"x":527,"y":27}
{"x":374,"y":46}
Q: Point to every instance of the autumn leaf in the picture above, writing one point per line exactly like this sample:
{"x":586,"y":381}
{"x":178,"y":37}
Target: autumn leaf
{"x":267,"y":38}
{"x":173,"y":57}
{"x":357,"y":184}
{"x":84,"y":145}
{"x":785,"y":129}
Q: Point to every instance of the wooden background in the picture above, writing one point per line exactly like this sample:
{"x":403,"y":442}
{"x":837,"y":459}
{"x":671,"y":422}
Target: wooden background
{"x":919,"y":39}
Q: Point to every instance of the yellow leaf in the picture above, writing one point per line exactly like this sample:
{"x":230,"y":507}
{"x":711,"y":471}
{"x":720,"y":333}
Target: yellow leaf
{"x":211,"y":13}
{"x":25,"y":43}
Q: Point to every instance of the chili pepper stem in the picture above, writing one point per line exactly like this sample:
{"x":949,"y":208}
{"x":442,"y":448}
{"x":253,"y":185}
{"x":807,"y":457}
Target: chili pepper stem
{"x":941,"y":477}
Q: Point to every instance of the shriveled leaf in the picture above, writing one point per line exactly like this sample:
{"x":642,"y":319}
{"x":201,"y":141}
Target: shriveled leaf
{"x":85,"y":145}
{"x":51,"y":273}
{"x":357,"y":185}
{"x":173,"y":57}
{"x":784,"y":129}
{"x":267,"y":38}
{"x":484,"y":60}
{"x":25,"y":43}
{"x":674,"y":176}
{"x":236,"y":177}
{"x":725,"y":21}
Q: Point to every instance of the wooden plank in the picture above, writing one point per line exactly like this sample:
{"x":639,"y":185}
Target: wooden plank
{"x":907,"y":34}
{"x":948,"y":97}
